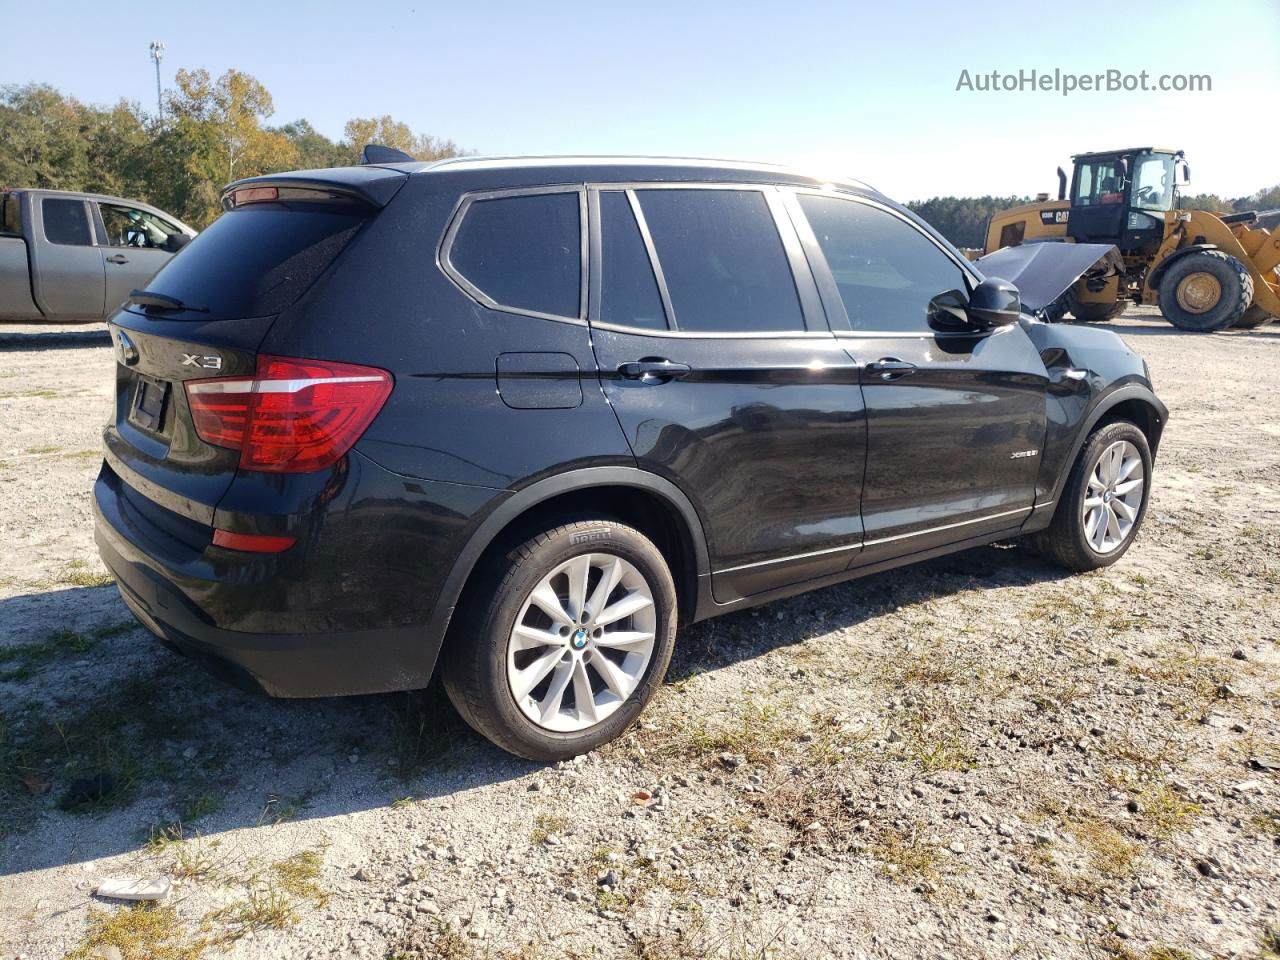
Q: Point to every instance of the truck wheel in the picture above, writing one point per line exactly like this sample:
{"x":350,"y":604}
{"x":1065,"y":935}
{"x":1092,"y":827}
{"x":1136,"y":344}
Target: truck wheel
{"x":1103,"y":503}
{"x":1253,"y":317}
{"x":563,"y":640}
{"x":1205,"y":291}
{"x":1092,"y":311}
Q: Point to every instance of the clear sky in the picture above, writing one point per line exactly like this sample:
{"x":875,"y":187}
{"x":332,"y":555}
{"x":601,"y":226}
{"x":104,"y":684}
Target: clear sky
{"x":866,"y":89}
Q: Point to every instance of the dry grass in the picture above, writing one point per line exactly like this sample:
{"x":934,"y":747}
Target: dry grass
{"x":143,"y":932}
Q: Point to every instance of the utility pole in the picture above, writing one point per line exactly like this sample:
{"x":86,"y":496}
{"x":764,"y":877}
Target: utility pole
{"x":157,"y":54}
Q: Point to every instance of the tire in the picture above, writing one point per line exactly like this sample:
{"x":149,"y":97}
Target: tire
{"x":484,"y":660}
{"x":1253,"y":317}
{"x":1067,"y":541}
{"x":1092,"y":311}
{"x":1186,"y":289}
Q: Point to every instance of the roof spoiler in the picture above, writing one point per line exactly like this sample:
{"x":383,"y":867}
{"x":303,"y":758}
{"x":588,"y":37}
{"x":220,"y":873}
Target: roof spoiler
{"x":378,"y":153}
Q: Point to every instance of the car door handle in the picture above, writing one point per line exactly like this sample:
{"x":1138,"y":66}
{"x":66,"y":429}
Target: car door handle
{"x":653,"y":370}
{"x":118,"y":258}
{"x":891,"y":368}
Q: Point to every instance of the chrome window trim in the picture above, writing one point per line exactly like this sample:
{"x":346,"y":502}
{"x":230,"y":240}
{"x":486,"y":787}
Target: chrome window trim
{"x":873,"y":543}
{"x":664,"y":294}
{"x":479,"y":296}
{"x":807,"y":299}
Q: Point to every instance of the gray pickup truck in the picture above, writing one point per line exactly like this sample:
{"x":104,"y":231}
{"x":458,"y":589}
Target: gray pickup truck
{"x":76,"y":256}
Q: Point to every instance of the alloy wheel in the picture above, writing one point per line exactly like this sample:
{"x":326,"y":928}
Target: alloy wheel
{"x":581,"y":642}
{"x":1113,"y":498}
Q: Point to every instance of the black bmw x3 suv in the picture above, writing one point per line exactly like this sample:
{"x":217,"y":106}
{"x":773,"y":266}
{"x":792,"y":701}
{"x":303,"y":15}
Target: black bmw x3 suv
{"x":524,"y":418}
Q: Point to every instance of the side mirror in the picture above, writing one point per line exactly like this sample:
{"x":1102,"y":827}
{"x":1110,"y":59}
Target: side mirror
{"x":176,"y":241}
{"x":994,"y":303}
{"x":1181,"y":173}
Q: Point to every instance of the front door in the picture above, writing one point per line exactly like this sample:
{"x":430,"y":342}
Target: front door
{"x":715,"y":356}
{"x":955,"y":423}
{"x":133,"y":244}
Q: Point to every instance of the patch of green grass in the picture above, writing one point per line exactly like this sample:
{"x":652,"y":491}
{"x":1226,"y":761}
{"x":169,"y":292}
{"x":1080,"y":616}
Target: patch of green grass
{"x":143,"y":932}
{"x":1109,"y":852}
{"x":85,"y":578}
{"x":264,"y":907}
{"x":45,"y":449}
{"x":186,"y":858}
{"x":1166,"y":811}
{"x":908,"y":856}
{"x":297,"y":876}
{"x":545,"y":824}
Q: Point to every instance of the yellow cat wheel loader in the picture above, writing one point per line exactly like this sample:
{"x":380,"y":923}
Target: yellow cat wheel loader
{"x":1205,"y":271}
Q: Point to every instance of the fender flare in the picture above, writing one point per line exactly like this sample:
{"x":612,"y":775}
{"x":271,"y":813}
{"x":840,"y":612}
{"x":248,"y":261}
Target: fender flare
{"x":1108,"y":402}
{"x":528,"y":497}
{"x":1153,"y":278}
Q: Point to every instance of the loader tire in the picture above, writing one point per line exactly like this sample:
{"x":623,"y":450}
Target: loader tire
{"x":1092,"y":311}
{"x":1253,"y":317}
{"x":1205,"y":291}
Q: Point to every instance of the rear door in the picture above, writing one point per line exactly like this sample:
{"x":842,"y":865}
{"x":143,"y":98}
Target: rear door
{"x":715,"y":355}
{"x":133,"y":246}
{"x":231,"y":282}
{"x":955,"y":422}
{"x":67,"y":278}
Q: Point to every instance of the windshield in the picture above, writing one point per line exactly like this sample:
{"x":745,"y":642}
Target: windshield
{"x":1099,"y":182}
{"x":1153,"y":182}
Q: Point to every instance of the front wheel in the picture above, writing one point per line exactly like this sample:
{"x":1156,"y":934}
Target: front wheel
{"x":1205,"y":291}
{"x":1103,"y":503}
{"x":564,"y":640}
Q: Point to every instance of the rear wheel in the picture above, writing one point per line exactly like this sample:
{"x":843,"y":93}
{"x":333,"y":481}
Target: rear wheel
{"x":1103,"y":503}
{"x":1253,"y":317}
{"x":1205,"y":291}
{"x":563,"y":640}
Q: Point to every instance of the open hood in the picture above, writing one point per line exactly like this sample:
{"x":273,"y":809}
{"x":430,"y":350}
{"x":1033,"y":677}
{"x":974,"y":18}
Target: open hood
{"x":1042,"y":272}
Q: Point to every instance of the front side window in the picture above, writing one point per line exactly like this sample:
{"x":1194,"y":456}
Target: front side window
{"x":65,"y":221}
{"x":1153,"y":182}
{"x":1099,"y":182}
{"x":130,"y":227}
{"x":723,"y":261}
{"x":523,"y":252}
{"x":886,"y":269}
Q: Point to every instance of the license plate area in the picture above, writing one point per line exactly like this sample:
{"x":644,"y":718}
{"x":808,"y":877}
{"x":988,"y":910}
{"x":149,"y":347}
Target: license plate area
{"x":147,"y":409}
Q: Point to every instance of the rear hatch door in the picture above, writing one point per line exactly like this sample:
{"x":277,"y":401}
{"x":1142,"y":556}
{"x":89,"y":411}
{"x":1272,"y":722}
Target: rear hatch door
{"x":204,"y":315}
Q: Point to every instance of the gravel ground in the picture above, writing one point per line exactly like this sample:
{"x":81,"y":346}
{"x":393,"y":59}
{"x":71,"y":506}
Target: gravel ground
{"x":974,"y":757}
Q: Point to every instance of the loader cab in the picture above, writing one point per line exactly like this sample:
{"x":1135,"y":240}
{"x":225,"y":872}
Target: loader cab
{"x":1122,"y":197}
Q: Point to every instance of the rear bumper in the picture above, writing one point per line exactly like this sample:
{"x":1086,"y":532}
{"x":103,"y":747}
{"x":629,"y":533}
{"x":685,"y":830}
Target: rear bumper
{"x":319,"y":620}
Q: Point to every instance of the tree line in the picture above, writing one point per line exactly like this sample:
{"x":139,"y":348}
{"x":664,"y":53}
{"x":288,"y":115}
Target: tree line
{"x":216,"y":130}
{"x":963,"y":220}
{"x":213,"y":131}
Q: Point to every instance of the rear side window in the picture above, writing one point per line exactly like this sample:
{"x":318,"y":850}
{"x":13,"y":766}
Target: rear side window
{"x":886,"y":269}
{"x":257,"y":260}
{"x":523,"y":252}
{"x":723,"y":261}
{"x":65,"y":221}
{"x":629,"y":294}
{"x":10,"y":214}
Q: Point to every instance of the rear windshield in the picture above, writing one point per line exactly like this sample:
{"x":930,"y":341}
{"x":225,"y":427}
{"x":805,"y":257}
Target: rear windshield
{"x":257,"y":260}
{"x":10,"y":215}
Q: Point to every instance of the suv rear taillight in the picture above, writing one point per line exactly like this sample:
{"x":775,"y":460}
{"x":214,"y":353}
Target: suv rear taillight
{"x":292,"y":415}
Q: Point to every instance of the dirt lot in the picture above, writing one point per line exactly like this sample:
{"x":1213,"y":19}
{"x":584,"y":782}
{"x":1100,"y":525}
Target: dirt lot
{"x":976,"y":757}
